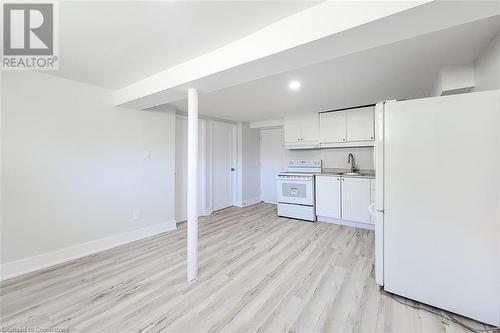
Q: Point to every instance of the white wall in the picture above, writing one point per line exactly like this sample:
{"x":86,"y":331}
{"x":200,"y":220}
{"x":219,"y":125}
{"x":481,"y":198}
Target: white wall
{"x":248,"y":165}
{"x":487,"y":66}
{"x":251,"y":164}
{"x":455,"y":79}
{"x":73,"y":170}
{"x":271,"y":162}
{"x":334,"y":157}
{"x":482,"y":74}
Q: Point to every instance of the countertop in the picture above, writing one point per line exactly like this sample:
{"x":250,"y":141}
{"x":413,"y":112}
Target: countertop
{"x":338,"y":172}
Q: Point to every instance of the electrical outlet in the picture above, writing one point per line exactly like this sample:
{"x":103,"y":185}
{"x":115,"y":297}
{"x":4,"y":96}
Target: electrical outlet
{"x":147,"y":155}
{"x":136,"y":214}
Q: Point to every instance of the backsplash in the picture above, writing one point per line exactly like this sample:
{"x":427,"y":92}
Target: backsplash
{"x":335,"y":158}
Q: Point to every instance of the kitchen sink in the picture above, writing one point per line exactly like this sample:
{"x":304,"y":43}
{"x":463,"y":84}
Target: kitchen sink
{"x":352,"y":174}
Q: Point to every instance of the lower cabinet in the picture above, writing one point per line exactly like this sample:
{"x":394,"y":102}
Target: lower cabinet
{"x":344,"y":198}
{"x":356,"y":199}
{"x":328,"y":196}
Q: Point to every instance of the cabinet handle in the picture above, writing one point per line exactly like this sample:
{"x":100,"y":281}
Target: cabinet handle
{"x":371,"y":137}
{"x":343,"y":139}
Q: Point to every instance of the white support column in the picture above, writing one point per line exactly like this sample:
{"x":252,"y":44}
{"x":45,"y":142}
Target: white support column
{"x":192,"y":190}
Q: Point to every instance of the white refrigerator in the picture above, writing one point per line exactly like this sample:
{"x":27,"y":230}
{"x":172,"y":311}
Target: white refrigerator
{"x":437,"y":229}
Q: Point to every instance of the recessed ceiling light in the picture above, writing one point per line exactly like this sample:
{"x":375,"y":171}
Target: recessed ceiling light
{"x":294,"y":85}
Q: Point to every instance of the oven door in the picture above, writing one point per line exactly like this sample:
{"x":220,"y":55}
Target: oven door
{"x":296,"y":191}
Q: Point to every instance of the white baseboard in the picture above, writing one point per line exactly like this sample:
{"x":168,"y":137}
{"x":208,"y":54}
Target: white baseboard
{"x":344,"y":222}
{"x":31,"y":264}
{"x":248,"y":202}
{"x":251,"y":201}
{"x":206,"y":212}
{"x":203,"y":213}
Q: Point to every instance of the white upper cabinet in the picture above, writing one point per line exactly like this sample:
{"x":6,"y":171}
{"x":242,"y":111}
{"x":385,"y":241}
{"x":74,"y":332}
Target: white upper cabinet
{"x":328,"y":196}
{"x":360,"y":124}
{"x":301,"y":132}
{"x":343,"y":128}
{"x":292,"y":132}
{"x":332,"y":126}
{"x":356,"y":199}
{"x":351,"y":127}
{"x":309,"y":129}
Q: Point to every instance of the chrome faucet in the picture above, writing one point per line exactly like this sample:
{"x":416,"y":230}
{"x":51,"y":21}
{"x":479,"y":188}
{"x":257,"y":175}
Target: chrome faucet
{"x":350,"y":159}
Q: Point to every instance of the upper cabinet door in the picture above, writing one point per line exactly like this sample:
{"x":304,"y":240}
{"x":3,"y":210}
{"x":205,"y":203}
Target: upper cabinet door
{"x":309,"y":128}
{"x":292,"y":132}
{"x":301,"y":130}
{"x":332,"y":126}
{"x":360,"y":124}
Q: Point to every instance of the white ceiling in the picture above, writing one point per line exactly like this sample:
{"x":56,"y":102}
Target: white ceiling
{"x":112,"y":44}
{"x":402,"y":70}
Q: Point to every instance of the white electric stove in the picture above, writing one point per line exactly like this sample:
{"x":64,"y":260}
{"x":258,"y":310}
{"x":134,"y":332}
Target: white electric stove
{"x":296,"y":189}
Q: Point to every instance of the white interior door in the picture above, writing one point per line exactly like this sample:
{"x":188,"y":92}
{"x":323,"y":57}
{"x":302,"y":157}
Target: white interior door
{"x":181,"y":168}
{"x":271,"y":162}
{"x":223,"y":156}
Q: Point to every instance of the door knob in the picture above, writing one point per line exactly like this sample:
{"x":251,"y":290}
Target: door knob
{"x":232,"y":169}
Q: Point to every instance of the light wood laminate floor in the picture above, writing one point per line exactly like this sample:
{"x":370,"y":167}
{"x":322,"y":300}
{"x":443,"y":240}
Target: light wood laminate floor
{"x":258,"y":272}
